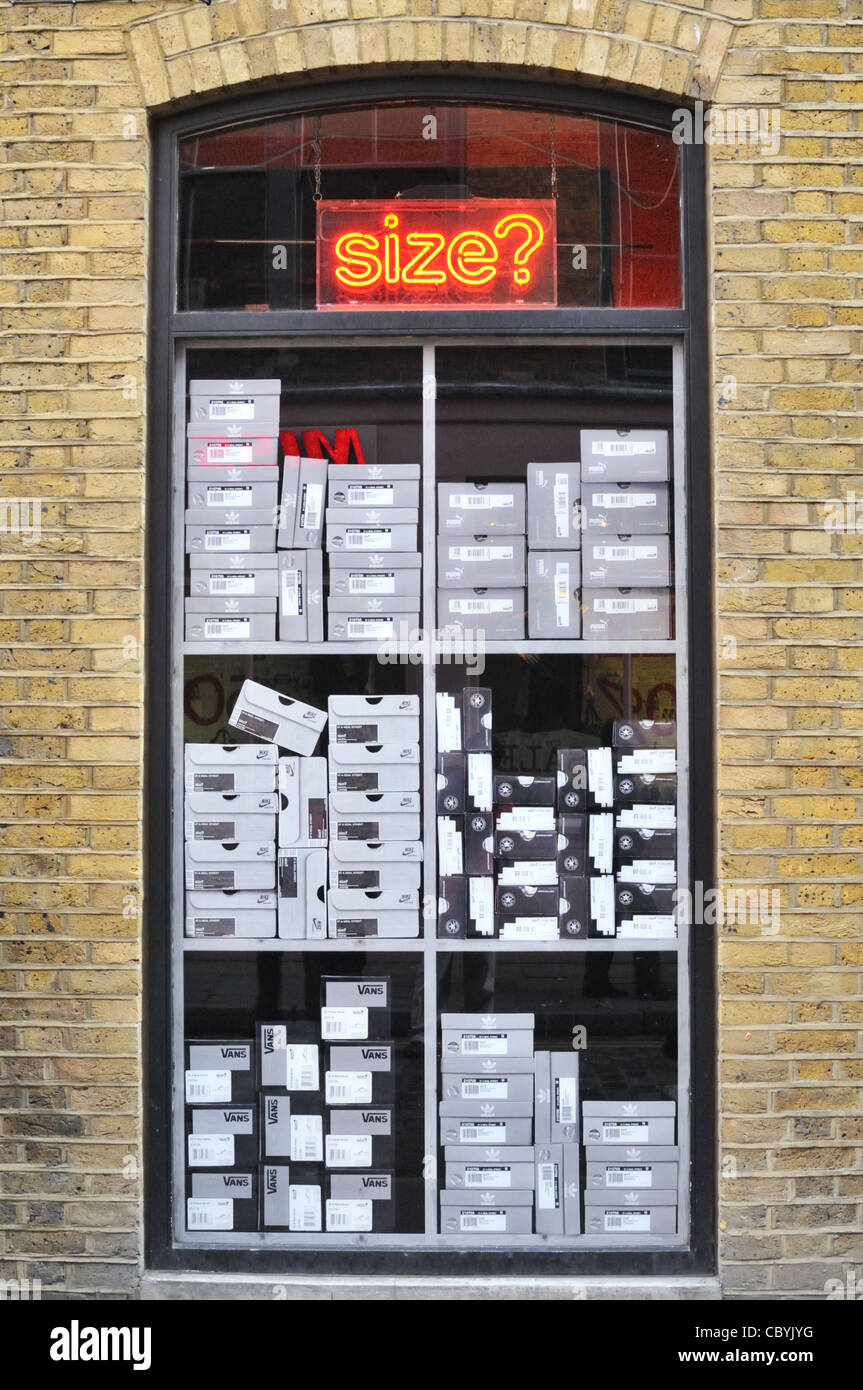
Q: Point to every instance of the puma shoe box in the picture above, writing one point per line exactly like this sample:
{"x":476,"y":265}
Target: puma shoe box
{"x":497,"y":613}
{"x":626,"y":509}
{"x":554,"y":594}
{"x":360,"y":1202}
{"x":217,"y":401}
{"x":553,"y":506}
{"x":221,"y":1201}
{"x":220,"y":1072}
{"x":624,"y":455}
{"x":626,"y":614}
{"x":481,"y":562}
{"x":285,"y":1062}
{"x":617,"y":562}
{"x":469,"y":509}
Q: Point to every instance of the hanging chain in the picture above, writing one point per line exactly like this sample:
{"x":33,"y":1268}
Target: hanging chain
{"x":316,"y":155}
{"x":553,"y":155}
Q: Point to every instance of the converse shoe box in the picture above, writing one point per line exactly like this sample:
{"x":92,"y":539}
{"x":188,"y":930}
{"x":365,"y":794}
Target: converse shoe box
{"x":354,"y":912}
{"x":230,"y":619}
{"x":573,"y":844}
{"x":285,"y":1063}
{"x":237,"y":444}
{"x":267,"y":714}
{"x":612,"y":456}
{"x":630,"y":1212}
{"x":375,"y":576}
{"x":452,"y":907}
{"x":633,"y":900}
{"x":497,"y":613}
{"x":486,"y":1213}
{"x":622,"y":615}
{"x":628,"y":1122}
{"x":626,"y":509}
{"x":222,"y":1202}
{"x":476,"y":719}
{"x":553,"y":506}
{"x":302,"y":894}
{"x":389,"y":767}
{"x":656,"y":789}
{"x":221,"y":1136}
{"x":451,"y":783}
{"x":468,"y":509}
{"x":360,"y":1138}
{"x":230,"y":768}
{"x":571,"y":779}
{"x":651,"y":1167}
{"x":245,"y":864}
{"x":355,"y":1008}
{"x":481,"y":561}
{"x":220,"y":1072}
{"x":233,"y":576}
{"x":478,"y":843}
{"x":375,"y":865}
{"x":617,"y":562}
{"x":515,"y":790}
{"x":215,"y":400}
{"x":362,"y":486}
{"x":231,"y":914}
{"x":370,"y":1072}
{"x":303,"y":796}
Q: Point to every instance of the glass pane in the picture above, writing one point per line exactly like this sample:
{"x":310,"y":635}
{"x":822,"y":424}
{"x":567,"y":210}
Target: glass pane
{"x":248,"y":196}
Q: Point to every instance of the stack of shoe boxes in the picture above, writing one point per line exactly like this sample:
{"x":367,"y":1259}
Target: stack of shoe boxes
{"x":221,"y":1136}
{"x":554,"y":558}
{"x":632,"y":1167}
{"x":300,"y":540}
{"x":481,"y":559}
{"x":291,"y":1120}
{"x":626,"y":569}
{"x":465,"y":820}
{"x":232,"y":481}
{"x":375,"y":821}
{"x":645,"y":828}
{"x":558,"y":1152}
{"x":372,"y":550}
{"x":230,"y":831}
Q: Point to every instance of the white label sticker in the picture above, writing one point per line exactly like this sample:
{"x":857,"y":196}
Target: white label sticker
{"x":547,"y":1187}
{"x":311,"y":507}
{"x":625,"y":605}
{"x":480,"y":780}
{"x":536,"y":872}
{"x":629,"y":1177}
{"x":561,"y":505}
{"x":302,"y":1067}
{"x":649,"y":871}
{"x":624,"y":1131}
{"x":291,"y":590}
{"x":345,"y":1023}
{"x":608,"y":448}
{"x":482,"y":1221}
{"x":490,"y":1178}
{"x":304,"y":1207}
{"x":648,"y":925}
{"x":212,"y":1087}
{"x":627,"y":1220}
{"x":370,"y":494}
{"x":481,"y":605}
{"x":481,"y":1132}
{"x":232,"y":410}
{"x":240,"y":584}
{"x":211,"y":1150}
{"x":648,"y":760}
{"x":626,"y":553}
{"x":227,"y":540}
{"x":482,"y":553}
{"x":527,"y":818}
{"x":368,"y":538}
{"x":602,"y":904}
{"x":230,"y":452}
{"x":484,"y":1087}
{"x":599,"y":778}
{"x":229,"y":497}
{"x":600,"y":839}
{"x":530,"y":929}
{"x":375,"y":628}
{"x":561,"y":595}
{"x":624,"y":499}
{"x":362,"y":584}
{"x":481,"y":501}
{"x":349,"y":1214}
{"x":210,"y":1214}
{"x":348,"y":1087}
{"x":307,"y":1138}
{"x":349,"y":1151}
{"x":228,"y":629}
{"x":566,"y":1100}
{"x":656,"y":817}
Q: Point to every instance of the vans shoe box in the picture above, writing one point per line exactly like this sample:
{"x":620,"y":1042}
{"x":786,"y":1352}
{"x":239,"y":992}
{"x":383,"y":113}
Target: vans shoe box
{"x":219,"y":1072}
{"x":361,"y":1202}
{"x":288,"y":1205}
{"x":360,"y":1137}
{"x":285,"y":1063}
{"x":221,"y":1136}
{"x":292,"y":1126}
{"x":355,"y":1008}
{"x":363,"y":1071}
{"x":221,"y":1201}
{"x":266,"y":714}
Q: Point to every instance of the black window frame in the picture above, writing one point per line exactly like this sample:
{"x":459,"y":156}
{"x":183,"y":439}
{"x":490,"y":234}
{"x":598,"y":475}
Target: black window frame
{"x":167,"y":328}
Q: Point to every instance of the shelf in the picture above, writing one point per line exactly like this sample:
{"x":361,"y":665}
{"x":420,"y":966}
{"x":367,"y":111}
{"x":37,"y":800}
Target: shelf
{"x":441,"y":648}
{"x":251,"y":946}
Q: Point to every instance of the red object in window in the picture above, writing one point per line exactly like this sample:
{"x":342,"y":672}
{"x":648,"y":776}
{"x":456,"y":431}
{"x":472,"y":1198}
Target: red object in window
{"x":346,"y":442}
{"x":484,"y":253}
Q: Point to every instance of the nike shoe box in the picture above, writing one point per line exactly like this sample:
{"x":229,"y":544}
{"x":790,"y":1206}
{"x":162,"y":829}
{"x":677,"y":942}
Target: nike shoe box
{"x":303,"y":800}
{"x":386,"y":486}
{"x":233,"y":576}
{"x":221,"y":1201}
{"x":394,"y":866}
{"x":614,"y":456}
{"x":218,"y":914}
{"x":216,"y":817}
{"x":302,"y":894}
{"x":375,"y":815}
{"x":354,"y":912}
{"x":230,"y":768}
{"x":553,"y":506}
{"x":231,"y":401}
{"x":383,"y":576}
{"x":468,"y":509}
{"x":389,"y":767}
{"x":219,"y":1072}
{"x":244,"y":864}
{"x":374,"y":719}
{"x":623,"y":615}
{"x":267,"y":714}
{"x":481,"y":562}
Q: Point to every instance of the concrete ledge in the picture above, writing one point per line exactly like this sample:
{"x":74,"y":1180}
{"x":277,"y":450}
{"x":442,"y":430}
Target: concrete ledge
{"x":219,"y":1287}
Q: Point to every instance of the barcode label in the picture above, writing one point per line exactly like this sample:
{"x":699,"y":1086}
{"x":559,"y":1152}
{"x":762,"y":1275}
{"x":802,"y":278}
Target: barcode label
{"x":227,"y":540}
{"x":304,"y":1207}
{"x":625,"y":552}
{"x":228,"y":629}
{"x":349,"y":1151}
{"x":229,"y":497}
{"x":629,"y":1177}
{"x":561,"y":595}
{"x":627,"y":1220}
{"x":307,"y":1138}
{"x":291,"y":593}
{"x":624,"y":499}
{"x":486,"y":1044}
{"x":232,"y":583}
{"x":481,"y":605}
{"x":561,"y":505}
{"x":348,"y":1087}
{"x":547,"y":1187}
{"x":371,"y":627}
{"x":210,"y":1213}
{"x":369,"y":538}
{"x":481,"y":552}
{"x":608,"y":448}
{"x":370,"y":494}
{"x":211,"y":1150}
{"x":311,"y":507}
{"x":371,"y":583}
{"x":566,"y":1100}
{"x":481,"y":501}
{"x":349,"y":1215}
{"x":493,"y":1087}
{"x":488,"y":1177}
{"x":489,"y":1133}
{"x":344,"y":1023}
{"x":628,"y":1131}
{"x":482,"y":1221}
{"x":302,"y":1067}
{"x":625,"y":605}
{"x":230,"y":453}
{"x":232,"y":410}
{"x":208,"y":1086}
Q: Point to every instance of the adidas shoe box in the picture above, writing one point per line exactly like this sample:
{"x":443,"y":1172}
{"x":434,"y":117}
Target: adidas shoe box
{"x":630,"y":1212}
{"x":366,"y":1069}
{"x":267,"y":714}
{"x":383,"y":626}
{"x":572,"y":844}
{"x":233,"y":576}
{"x":352,"y":531}
{"x":649,"y":1167}
{"x":219,"y":1073}
{"x":375,"y":576}
{"x":617,"y":562}
{"x":361,"y":1202}
{"x":230,"y":619}
{"x":481,"y":562}
{"x":246,"y":864}
{"x":553,"y":594}
{"x":248,"y":532}
{"x":395,"y":866}
{"x":497,"y":613}
{"x":628,"y":1122}
{"x":361,"y":1137}
{"x":221,"y":1202}
{"x":301,"y":516}
{"x":215,"y":490}
{"x":229,"y":400}
{"x":301,"y":603}
{"x":236,"y":444}
{"x":231,"y":914}
{"x":500,"y":1170}
{"x":230,"y":768}
{"x":553,"y":506}
{"x":487,"y":1035}
{"x":221,"y":1136}
{"x":283,"y":1062}
{"x":558,"y":1210}
{"x":363,"y":486}
{"x":388,"y":767}
{"x":469,"y":509}
{"x":486,"y":1212}
{"x":614,"y":456}
{"x":302,"y":894}
{"x":622,"y":615}
{"x":355,"y":1008}
{"x":626,"y":509}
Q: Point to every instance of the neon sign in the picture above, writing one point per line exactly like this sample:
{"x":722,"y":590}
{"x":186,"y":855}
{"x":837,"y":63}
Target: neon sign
{"x":483,"y":253}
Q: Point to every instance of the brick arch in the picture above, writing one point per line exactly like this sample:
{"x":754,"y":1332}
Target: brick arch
{"x":660,"y":49}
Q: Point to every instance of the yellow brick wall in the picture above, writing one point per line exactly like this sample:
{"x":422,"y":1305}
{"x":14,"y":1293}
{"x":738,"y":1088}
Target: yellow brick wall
{"x":785,"y":262}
